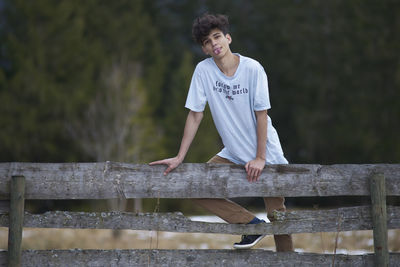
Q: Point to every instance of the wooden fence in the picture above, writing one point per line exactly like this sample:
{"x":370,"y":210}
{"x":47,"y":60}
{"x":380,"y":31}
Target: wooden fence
{"x":19,"y":181}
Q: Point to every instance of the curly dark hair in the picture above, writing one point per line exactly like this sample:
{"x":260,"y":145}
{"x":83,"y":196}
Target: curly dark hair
{"x":202,"y":26}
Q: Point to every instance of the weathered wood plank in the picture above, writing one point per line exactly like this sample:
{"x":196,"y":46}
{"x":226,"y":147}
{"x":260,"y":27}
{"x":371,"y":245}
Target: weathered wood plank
{"x":4,"y":206}
{"x":306,"y":221}
{"x":16,"y":220}
{"x":118,"y":180}
{"x":379,"y":219}
{"x":195,"y":258}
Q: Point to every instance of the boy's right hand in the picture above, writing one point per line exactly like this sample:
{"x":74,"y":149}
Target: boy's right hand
{"x":172,"y":163}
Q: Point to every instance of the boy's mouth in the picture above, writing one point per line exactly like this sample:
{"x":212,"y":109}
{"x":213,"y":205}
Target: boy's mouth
{"x":217,"y":51}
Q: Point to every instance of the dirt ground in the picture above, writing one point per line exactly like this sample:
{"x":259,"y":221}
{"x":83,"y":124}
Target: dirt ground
{"x":354,"y":242}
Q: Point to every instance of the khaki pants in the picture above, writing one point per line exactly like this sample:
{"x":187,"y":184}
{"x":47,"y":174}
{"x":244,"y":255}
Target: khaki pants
{"x":234,"y":213}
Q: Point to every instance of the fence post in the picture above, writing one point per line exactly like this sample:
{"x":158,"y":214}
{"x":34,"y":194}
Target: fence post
{"x":379,"y":219}
{"x":17,"y":192}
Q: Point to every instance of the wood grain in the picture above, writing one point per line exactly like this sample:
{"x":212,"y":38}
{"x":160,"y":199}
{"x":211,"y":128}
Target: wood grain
{"x":192,"y":180}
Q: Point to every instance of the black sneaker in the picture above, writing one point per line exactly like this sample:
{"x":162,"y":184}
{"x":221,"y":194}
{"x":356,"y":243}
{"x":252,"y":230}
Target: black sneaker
{"x":248,"y":241}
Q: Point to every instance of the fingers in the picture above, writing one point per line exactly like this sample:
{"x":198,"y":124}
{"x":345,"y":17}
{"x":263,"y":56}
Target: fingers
{"x":250,"y":174}
{"x":157,"y":162}
{"x":164,"y":162}
{"x":253,"y":174}
{"x":254,"y":169}
{"x":168,"y":170}
{"x":172,"y":163}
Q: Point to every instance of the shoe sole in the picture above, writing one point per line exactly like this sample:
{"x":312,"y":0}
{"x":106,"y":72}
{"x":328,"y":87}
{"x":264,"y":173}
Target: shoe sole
{"x":238,"y":246}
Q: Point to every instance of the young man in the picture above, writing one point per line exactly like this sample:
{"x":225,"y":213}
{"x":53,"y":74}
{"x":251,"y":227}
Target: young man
{"x":236,"y":89}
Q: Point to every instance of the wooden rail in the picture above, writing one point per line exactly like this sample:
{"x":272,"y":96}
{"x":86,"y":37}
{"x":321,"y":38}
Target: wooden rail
{"x":192,"y":258}
{"x":117,"y":180}
{"x":304,"y":221}
{"x":121,"y":180}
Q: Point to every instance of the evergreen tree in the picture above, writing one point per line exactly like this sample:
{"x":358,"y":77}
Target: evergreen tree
{"x":333,"y":74}
{"x":53,"y":56}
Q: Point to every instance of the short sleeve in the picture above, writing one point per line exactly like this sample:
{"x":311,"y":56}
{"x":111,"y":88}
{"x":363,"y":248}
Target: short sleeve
{"x":261,"y":95}
{"x":196,"y":99}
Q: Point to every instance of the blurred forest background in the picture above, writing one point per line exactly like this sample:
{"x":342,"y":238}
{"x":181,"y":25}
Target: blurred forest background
{"x":84,"y":81}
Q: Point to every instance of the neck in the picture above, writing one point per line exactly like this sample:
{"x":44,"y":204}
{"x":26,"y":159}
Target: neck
{"x":228,"y":63}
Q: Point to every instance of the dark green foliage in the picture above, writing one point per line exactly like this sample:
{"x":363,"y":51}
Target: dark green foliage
{"x":333,"y":69}
{"x":55,"y":56}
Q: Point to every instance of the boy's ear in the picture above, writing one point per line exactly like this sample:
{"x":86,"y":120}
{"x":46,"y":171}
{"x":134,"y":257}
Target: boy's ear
{"x":229,"y":37}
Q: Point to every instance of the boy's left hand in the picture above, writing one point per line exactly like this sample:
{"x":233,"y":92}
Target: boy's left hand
{"x":254,"y":169}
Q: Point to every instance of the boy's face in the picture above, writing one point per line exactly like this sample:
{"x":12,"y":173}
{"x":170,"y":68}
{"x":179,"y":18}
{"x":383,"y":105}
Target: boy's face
{"x":216,"y":44}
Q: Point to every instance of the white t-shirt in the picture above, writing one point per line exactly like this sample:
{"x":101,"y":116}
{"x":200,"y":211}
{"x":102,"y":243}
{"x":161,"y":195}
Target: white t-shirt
{"x":232,"y":102}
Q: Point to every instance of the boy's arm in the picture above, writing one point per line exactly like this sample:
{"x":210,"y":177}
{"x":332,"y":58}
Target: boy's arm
{"x":192,"y":124}
{"x":255,"y":166}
